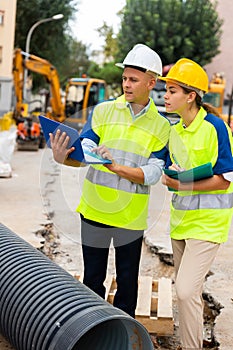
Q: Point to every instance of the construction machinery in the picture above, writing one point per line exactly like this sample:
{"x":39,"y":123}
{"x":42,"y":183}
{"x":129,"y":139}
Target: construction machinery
{"x":157,"y":94}
{"x":215,"y":97}
{"x":81,"y":94}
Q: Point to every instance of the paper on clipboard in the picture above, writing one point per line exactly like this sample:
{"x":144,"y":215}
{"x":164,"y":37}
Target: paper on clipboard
{"x":51,"y":126}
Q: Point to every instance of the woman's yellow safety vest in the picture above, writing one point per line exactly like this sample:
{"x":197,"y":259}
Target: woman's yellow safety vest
{"x":201,"y":215}
{"x":106,"y":197}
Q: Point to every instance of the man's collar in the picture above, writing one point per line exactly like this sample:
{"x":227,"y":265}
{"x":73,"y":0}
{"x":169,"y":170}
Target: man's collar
{"x":144,"y":110}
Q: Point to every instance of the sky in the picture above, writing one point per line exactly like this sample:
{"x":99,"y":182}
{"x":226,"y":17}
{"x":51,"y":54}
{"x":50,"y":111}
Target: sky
{"x":91,"y":15}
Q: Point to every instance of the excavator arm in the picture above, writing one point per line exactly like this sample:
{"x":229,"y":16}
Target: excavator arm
{"x":18,"y":78}
{"x":82,"y":94}
{"x":41,"y":66}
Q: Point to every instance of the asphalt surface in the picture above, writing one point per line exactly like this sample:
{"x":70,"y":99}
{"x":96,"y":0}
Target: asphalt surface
{"x":39,"y":186}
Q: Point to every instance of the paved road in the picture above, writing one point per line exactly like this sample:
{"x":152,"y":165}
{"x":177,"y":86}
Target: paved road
{"x":39,"y":186}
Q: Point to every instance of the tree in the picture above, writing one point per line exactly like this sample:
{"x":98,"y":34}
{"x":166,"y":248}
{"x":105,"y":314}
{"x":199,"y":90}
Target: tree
{"x":77,"y":63}
{"x":49,"y":40}
{"x":110,"y":47}
{"x":109,"y":72}
{"x":173,"y":28}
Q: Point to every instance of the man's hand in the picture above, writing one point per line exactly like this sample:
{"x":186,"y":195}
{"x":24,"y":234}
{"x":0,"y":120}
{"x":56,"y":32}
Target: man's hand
{"x":104,"y":152}
{"x":135,"y":175}
{"x":59,"y":143}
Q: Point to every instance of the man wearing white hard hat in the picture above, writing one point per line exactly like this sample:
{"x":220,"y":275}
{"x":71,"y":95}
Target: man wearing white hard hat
{"x":114,"y":203}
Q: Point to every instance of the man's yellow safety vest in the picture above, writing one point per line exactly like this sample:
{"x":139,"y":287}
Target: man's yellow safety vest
{"x":108,"y":198}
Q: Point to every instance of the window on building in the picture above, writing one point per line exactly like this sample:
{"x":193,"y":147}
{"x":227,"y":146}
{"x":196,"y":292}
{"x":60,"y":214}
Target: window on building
{"x":2,"y":13}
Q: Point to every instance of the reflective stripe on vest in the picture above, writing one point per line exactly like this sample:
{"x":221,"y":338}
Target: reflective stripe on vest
{"x":107,"y":197}
{"x":128,"y":158}
{"x":203,"y":201}
{"x":98,"y":177}
{"x":116,"y":182}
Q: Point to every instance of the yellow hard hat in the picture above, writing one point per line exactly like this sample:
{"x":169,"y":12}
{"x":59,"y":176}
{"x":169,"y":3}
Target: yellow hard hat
{"x":189,"y":73}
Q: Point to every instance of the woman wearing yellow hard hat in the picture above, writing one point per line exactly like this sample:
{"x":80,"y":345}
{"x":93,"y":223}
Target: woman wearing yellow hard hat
{"x":201,"y":206}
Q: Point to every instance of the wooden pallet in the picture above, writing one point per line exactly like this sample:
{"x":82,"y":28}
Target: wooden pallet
{"x":154,"y":305}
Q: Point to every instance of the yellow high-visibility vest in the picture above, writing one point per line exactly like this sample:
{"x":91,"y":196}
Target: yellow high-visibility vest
{"x":108,"y":198}
{"x":202,"y":215}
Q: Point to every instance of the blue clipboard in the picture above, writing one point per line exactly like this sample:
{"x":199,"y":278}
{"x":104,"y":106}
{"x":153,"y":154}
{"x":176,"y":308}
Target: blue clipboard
{"x":51,"y":126}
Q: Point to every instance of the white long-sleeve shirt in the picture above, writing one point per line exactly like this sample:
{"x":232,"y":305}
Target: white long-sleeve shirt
{"x":152,"y":171}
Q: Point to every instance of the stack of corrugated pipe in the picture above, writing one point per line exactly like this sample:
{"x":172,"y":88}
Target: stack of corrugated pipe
{"x":42,"y":307}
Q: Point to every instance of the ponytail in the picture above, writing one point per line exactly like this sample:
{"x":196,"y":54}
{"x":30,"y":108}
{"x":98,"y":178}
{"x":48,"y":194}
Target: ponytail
{"x":207,"y":106}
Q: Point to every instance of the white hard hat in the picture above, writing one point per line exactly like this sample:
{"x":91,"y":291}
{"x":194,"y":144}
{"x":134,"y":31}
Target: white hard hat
{"x":142,"y":56}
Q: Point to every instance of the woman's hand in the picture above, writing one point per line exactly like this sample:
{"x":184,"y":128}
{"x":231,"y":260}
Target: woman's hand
{"x":170,"y":182}
{"x":59,"y":143}
{"x":216,"y":182}
{"x":175,"y":167}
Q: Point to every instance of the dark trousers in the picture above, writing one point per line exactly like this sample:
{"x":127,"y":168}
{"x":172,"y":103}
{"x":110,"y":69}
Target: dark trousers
{"x":96,"y":239}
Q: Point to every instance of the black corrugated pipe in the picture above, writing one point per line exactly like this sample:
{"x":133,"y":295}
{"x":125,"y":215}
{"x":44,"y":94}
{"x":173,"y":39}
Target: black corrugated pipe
{"x":42,"y":307}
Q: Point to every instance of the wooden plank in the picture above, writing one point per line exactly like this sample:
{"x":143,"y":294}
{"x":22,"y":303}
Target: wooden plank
{"x":154,"y":303}
{"x":76,"y":275}
{"x":144,"y":296}
{"x":108,"y":285}
{"x":155,"y":284}
{"x":158,"y":326}
{"x":154,"y":306}
{"x":80,"y":277}
{"x":164,"y":298}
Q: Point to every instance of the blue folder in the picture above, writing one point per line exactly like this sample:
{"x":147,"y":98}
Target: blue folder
{"x":51,"y":126}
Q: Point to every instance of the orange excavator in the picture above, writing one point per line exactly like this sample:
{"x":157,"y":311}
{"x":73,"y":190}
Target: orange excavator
{"x":81,"y":94}
{"x":216,"y":92}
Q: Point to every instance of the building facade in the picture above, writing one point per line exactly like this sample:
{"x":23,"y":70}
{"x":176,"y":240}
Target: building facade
{"x":223,"y":62}
{"x":7,"y":35}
